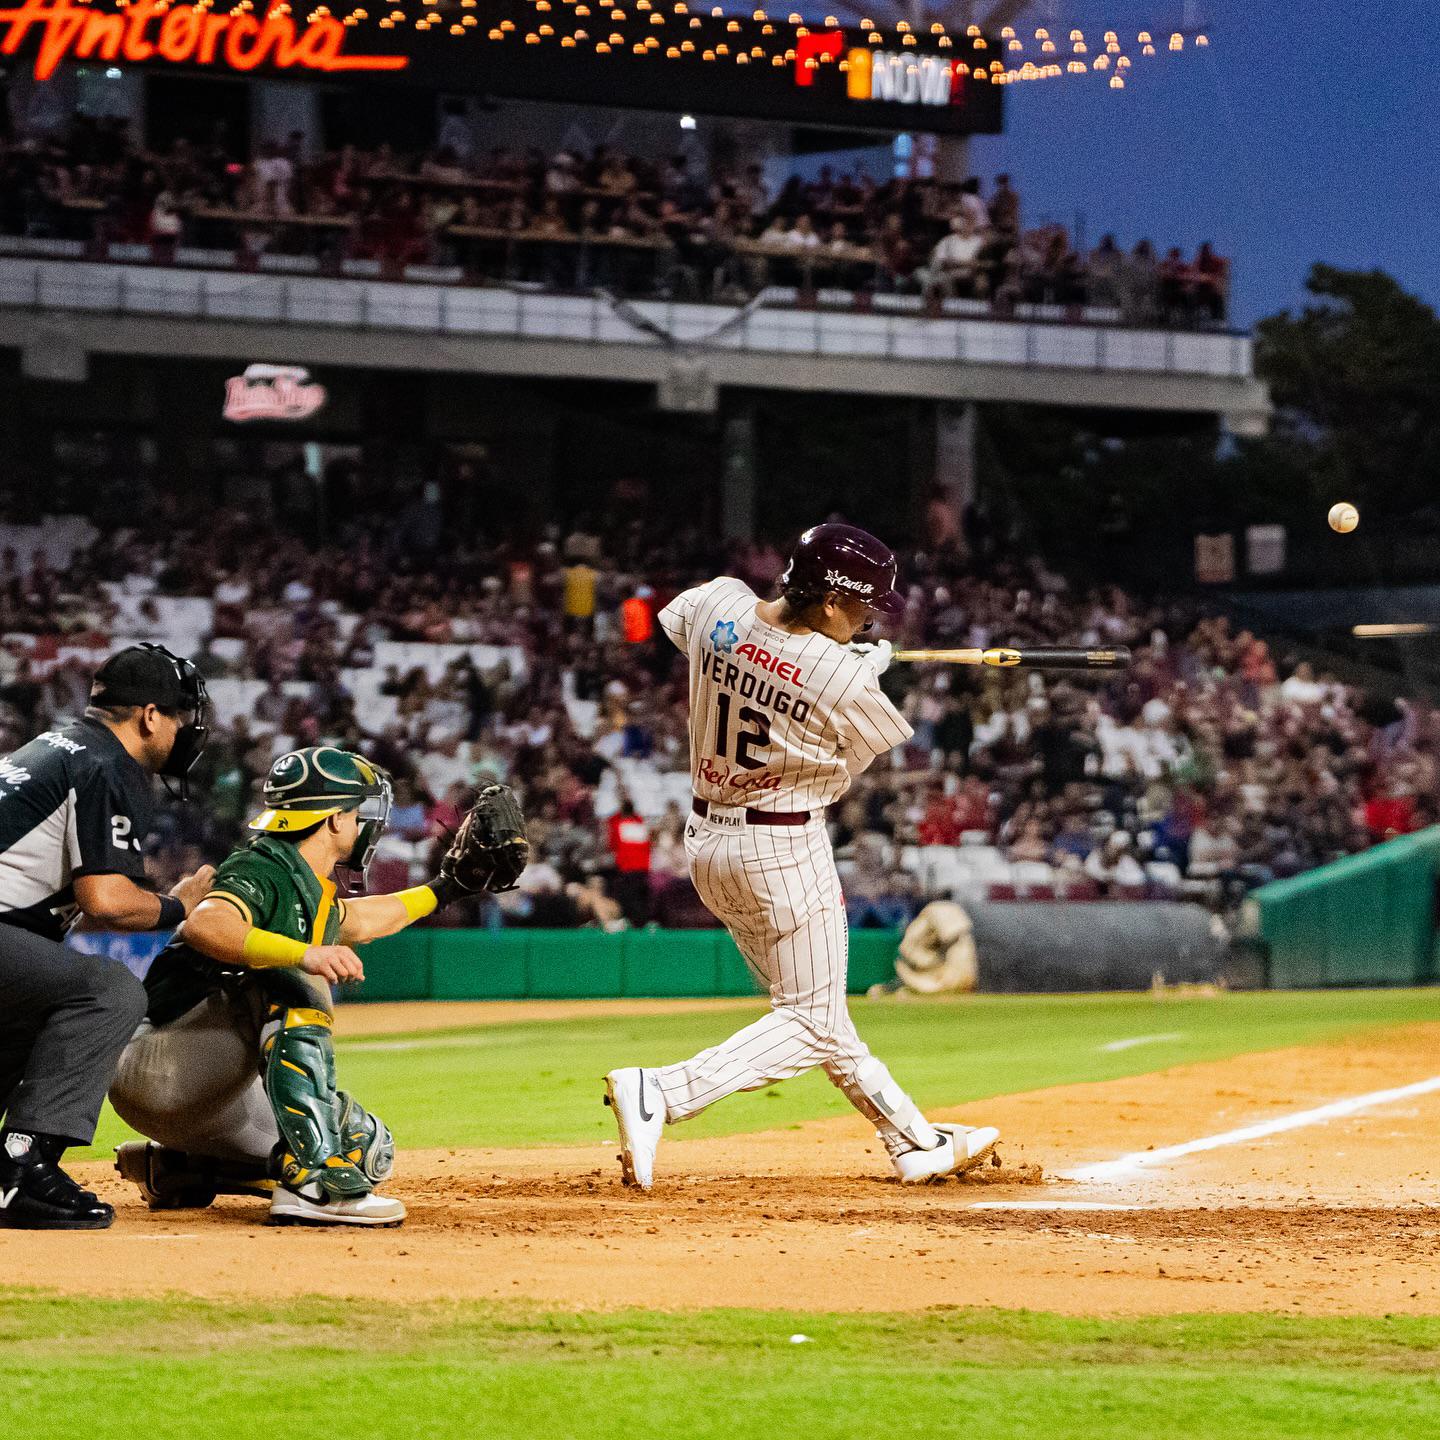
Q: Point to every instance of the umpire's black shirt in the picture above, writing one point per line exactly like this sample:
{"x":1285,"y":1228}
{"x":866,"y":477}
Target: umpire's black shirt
{"x":72,"y":802}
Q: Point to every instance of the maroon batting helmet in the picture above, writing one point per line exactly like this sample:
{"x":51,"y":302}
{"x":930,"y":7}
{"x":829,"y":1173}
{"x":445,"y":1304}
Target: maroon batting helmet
{"x":841,"y":560}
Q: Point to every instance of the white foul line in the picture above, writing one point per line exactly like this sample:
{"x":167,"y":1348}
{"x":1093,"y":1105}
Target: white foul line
{"x":1134,"y":1040}
{"x":1047,"y":1205}
{"x":1127,"y":1165}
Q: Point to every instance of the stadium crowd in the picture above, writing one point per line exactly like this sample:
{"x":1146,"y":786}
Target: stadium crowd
{"x":573,"y":221}
{"x":1209,"y":767}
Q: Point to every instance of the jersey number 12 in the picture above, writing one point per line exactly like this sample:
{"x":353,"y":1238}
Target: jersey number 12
{"x":745,"y":740}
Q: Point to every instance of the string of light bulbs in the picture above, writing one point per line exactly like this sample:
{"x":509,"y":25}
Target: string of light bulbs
{"x":609,"y":27}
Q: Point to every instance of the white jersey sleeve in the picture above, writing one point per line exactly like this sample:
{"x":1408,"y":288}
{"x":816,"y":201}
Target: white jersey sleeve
{"x":868,"y":724}
{"x":676,"y":616}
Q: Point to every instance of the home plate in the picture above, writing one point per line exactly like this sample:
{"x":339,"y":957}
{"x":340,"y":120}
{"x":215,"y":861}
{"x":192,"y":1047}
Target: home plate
{"x":1049,"y":1205}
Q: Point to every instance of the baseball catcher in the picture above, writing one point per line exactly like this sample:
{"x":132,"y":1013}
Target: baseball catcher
{"x":232,"y":1073}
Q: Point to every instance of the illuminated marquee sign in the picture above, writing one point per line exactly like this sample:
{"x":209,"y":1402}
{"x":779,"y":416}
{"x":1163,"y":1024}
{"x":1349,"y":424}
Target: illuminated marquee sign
{"x":883,"y":74}
{"x":183,"y":35}
{"x":905,"y":79}
{"x":272,"y":392}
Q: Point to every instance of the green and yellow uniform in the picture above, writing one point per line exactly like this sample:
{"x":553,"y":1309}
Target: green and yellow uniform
{"x":269,"y":883}
{"x":328,"y":1143}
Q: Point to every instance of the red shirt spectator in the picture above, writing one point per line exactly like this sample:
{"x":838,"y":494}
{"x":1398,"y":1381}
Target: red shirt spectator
{"x":630,"y":843}
{"x":973,"y":810}
{"x":637,"y":619}
{"x":1387,"y":816}
{"x":941,"y":823}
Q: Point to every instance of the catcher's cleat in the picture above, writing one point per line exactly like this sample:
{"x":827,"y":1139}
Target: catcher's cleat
{"x":162,"y":1176}
{"x":174,"y":1180}
{"x":290,"y":1207}
{"x":640,"y":1114}
{"x":961,"y":1148}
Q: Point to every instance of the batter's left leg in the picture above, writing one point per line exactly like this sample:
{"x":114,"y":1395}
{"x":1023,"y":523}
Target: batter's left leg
{"x":806,"y":968}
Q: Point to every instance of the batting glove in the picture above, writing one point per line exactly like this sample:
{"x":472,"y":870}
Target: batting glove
{"x":877,"y":654}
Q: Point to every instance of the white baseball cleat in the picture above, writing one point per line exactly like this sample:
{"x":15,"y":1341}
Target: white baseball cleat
{"x":640,"y":1114}
{"x":288,"y":1207}
{"x":961,"y":1148}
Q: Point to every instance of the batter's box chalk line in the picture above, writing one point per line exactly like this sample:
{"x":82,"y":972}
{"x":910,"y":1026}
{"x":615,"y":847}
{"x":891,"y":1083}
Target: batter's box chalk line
{"x":1050,"y":1205}
{"x":1128,"y":1166}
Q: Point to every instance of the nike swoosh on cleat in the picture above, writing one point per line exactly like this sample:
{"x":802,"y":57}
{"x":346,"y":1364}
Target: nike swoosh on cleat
{"x":645,"y":1115}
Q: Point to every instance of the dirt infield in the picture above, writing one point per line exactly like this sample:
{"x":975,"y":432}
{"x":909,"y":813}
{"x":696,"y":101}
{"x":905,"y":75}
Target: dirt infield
{"x":1330,"y":1218}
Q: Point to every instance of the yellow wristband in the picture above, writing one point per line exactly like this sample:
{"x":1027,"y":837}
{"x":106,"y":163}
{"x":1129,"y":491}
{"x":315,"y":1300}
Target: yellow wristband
{"x":419,"y":901}
{"x":265,"y":950}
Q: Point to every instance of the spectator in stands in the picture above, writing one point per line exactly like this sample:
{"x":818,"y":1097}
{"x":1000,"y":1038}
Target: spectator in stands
{"x":1211,"y":282}
{"x":894,"y":255}
{"x":802,"y":234}
{"x":954,"y":268}
{"x":1139,"y":285}
{"x":274,"y":176}
{"x":887,"y":228}
{"x":1176,"y":283}
{"x":1031,"y":845}
{"x":629,"y":837}
{"x":165,"y":224}
{"x":970,"y":206}
{"x":1005,"y":209}
{"x":1105,"y":273}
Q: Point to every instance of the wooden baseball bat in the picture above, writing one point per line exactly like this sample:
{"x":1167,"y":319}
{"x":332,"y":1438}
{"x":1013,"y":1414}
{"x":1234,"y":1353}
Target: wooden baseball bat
{"x":1035,"y":657}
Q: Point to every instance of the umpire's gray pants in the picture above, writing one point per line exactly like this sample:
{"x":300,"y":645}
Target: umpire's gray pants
{"x":64,"y":1019}
{"x":195,"y":1085}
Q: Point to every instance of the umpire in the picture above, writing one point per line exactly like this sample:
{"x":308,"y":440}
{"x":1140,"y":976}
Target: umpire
{"x":75,"y":806}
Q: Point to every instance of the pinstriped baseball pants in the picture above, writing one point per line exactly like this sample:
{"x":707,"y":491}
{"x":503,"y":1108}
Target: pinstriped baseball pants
{"x":776,"y":891}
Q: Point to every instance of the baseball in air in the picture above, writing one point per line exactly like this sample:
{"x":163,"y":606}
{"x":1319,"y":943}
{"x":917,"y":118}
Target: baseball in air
{"x":1343,"y":517}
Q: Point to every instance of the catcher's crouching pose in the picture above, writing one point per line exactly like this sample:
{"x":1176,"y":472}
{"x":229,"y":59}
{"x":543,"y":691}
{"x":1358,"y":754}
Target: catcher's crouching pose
{"x":232,"y":1073}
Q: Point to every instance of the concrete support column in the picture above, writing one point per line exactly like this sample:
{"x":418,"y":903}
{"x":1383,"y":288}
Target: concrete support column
{"x":952,"y":158}
{"x":277,"y":108}
{"x":954,"y":476}
{"x":737,"y":479}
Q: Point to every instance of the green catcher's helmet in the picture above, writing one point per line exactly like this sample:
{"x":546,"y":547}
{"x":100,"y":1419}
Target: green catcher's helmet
{"x":306,"y":787}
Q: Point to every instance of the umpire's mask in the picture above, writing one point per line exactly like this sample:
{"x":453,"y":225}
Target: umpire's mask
{"x":148,"y":674}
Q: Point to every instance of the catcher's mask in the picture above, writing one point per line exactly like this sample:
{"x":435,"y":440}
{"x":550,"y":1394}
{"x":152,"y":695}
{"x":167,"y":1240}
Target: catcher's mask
{"x":148,"y":674}
{"x":306,"y":787}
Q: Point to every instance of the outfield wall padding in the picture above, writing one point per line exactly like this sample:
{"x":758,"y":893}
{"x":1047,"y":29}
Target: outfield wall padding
{"x":579,"y":964}
{"x":1368,"y":919}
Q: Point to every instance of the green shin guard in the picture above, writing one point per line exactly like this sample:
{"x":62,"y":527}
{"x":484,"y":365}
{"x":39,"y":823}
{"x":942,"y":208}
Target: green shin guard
{"x":299,"y":1060}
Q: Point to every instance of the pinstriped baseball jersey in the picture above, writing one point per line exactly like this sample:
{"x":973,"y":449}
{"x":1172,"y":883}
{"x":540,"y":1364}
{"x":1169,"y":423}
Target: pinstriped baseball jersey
{"x":777,"y":721}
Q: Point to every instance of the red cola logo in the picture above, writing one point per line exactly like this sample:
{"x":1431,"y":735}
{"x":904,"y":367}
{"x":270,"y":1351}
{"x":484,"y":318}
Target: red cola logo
{"x":744,"y":782}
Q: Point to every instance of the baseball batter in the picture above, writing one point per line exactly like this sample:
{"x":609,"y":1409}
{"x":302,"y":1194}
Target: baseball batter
{"x":784,"y":712}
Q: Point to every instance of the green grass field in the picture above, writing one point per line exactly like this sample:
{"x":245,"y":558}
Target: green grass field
{"x":174,"y":1370}
{"x":182,"y":1367}
{"x":538,"y":1083}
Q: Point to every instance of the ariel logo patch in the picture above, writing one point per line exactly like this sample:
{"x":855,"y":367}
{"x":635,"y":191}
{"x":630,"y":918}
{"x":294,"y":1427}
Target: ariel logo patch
{"x":722,"y":637}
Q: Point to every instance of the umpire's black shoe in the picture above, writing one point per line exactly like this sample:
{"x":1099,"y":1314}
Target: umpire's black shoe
{"x":36,"y":1194}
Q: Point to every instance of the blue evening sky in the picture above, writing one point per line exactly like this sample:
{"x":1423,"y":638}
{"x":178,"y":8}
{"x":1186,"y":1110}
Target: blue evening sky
{"x":1307,"y":131}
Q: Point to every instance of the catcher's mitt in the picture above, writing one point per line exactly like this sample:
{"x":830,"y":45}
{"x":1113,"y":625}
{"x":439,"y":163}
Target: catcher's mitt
{"x":489,"y":851}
